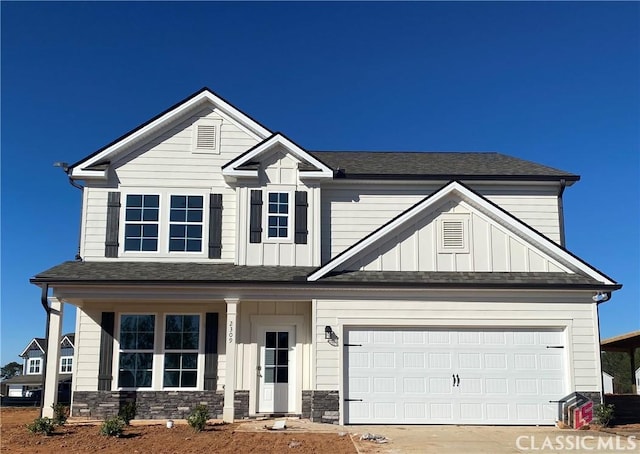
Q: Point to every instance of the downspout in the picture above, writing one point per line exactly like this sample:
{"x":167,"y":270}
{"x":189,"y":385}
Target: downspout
{"x":44,"y":300}
{"x":606,"y":297}
{"x":78,"y":186}
{"x":563,"y":184}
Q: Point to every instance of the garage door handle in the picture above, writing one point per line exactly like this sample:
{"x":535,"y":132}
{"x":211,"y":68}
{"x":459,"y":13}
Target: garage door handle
{"x":353,"y":400}
{"x":456,"y":380}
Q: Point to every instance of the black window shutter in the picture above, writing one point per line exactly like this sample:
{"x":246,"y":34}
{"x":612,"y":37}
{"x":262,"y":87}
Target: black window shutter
{"x":211,"y":351}
{"x":113,"y":222}
{"x":255,"y":221}
{"x":215,"y":226}
{"x":105,"y":366}
{"x":301,"y":217}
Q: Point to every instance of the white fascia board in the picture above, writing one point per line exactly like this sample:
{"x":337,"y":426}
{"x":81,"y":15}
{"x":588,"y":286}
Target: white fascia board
{"x":191,"y":104}
{"x":240,"y":173}
{"x":67,"y":338}
{"x":478,"y":201}
{"x":279,"y":139}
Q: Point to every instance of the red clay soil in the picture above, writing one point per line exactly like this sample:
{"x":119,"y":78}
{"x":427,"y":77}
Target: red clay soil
{"x":15,"y":438}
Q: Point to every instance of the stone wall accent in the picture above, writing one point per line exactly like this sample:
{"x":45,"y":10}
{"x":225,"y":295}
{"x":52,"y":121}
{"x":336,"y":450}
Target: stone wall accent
{"x":324,"y":406}
{"x":241,"y":404}
{"x":150,"y":404}
{"x":307,"y":398}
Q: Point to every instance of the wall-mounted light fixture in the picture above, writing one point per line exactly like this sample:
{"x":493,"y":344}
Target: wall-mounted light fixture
{"x":328,"y":332}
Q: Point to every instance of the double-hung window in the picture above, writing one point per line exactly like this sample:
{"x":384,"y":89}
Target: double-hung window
{"x":34,"y":366}
{"x":137,"y":336}
{"x":181,"y":345}
{"x":141,"y":222}
{"x":185,"y":223}
{"x":66,"y":364}
{"x":278,"y":215}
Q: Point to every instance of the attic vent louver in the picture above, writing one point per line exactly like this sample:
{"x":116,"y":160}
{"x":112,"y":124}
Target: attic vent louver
{"x":452,"y":234}
{"x":206,"y":137}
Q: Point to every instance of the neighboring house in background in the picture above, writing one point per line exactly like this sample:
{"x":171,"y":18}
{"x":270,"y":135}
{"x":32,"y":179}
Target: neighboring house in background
{"x":224,"y":263}
{"x":33,"y":357}
{"x":607,"y":383}
{"x":638,"y":380}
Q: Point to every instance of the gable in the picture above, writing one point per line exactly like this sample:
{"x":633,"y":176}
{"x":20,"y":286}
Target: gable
{"x":453,"y":236}
{"x":33,"y":349}
{"x":248,"y":165}
{"x":423,"y":213}
{"x":96,"y":164}
{"x":173,"y":154}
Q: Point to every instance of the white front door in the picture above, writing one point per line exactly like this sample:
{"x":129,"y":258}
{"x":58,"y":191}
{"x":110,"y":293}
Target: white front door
{"x":276,"y":369}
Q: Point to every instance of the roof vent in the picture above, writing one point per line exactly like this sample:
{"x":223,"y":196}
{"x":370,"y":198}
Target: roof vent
{"x":454,"y":234}
{"x":206,"y":137}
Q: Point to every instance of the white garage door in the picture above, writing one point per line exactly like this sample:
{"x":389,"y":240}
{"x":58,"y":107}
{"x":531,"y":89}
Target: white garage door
{"x":453,"y":376}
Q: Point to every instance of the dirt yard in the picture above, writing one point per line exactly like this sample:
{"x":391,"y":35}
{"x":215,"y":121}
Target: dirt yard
{"x":15,"y":438}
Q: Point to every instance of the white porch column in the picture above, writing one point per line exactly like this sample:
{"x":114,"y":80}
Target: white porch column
{"x":52,"y":358}
{"x":231,"y":354}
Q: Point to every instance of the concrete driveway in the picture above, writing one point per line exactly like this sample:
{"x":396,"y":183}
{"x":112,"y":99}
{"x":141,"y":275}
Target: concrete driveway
{"x":491,"y":440}
{"x":467,"y":439}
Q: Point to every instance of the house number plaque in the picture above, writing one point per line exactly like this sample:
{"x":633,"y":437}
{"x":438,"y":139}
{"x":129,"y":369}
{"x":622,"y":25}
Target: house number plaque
{"x":230,"y":335}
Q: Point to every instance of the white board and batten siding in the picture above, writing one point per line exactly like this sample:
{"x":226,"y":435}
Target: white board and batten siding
{"x":350,"y":213}
{"x":490,"y":247}
{"x":280,"y":174}
{"x":168,"y":164}
{"x":574,"y":317}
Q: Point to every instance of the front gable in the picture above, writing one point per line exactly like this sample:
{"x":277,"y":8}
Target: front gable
{"x":97,"y":164}
{"x":250,"y":163}
{"x":457,"y":229}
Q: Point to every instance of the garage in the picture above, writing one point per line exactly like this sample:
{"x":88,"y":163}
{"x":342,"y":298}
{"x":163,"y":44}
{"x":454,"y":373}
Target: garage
{"x":453,"y":375}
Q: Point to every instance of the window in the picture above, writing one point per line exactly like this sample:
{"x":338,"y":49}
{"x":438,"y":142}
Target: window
{"x":185,"y":229}
{"x":66,"y":364}
{"x":136,"y":351}
{"x":181,"y":344}
{"x":141,"y":222}
{"x":276,"y":362}
{"x":278,"y":215}
{"x":34,"y":366}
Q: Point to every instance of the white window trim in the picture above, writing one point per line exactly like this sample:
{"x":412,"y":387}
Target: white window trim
{"x":290,"y":216}
{"x":217,"y":124}
{"x":466,"y":232}
{"x":34,"y":361}
{"x":62,"y":358}
{"x":157,"y":374}
{"x":200,"y":361}
{"x":164,"y":221}
{"x":116,"y":353}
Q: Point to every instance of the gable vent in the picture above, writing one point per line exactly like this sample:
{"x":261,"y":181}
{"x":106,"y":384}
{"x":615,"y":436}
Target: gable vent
{"x":452,"y":234}
{"x":206,"y":137}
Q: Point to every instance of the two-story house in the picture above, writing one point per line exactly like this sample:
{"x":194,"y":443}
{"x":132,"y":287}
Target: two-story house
{"x":33,"y":367}
{"x":223,"y":263}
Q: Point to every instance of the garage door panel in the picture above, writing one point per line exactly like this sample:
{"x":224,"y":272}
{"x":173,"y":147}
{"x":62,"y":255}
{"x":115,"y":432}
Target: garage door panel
{"x":409,"y":375}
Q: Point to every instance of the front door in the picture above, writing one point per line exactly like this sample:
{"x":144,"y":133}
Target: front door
{"x":276,"y":370}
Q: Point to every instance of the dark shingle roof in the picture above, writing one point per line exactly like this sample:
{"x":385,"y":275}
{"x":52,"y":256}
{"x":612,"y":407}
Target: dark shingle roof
{"x":217,"y":273}
{"x":437,"y":165}
{"x":176,"y":272}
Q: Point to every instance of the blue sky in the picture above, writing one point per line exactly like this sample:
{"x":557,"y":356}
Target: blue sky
{"x":556,"y":83}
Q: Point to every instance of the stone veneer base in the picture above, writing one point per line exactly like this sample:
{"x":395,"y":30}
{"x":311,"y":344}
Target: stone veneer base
{"x":155,"y":404}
